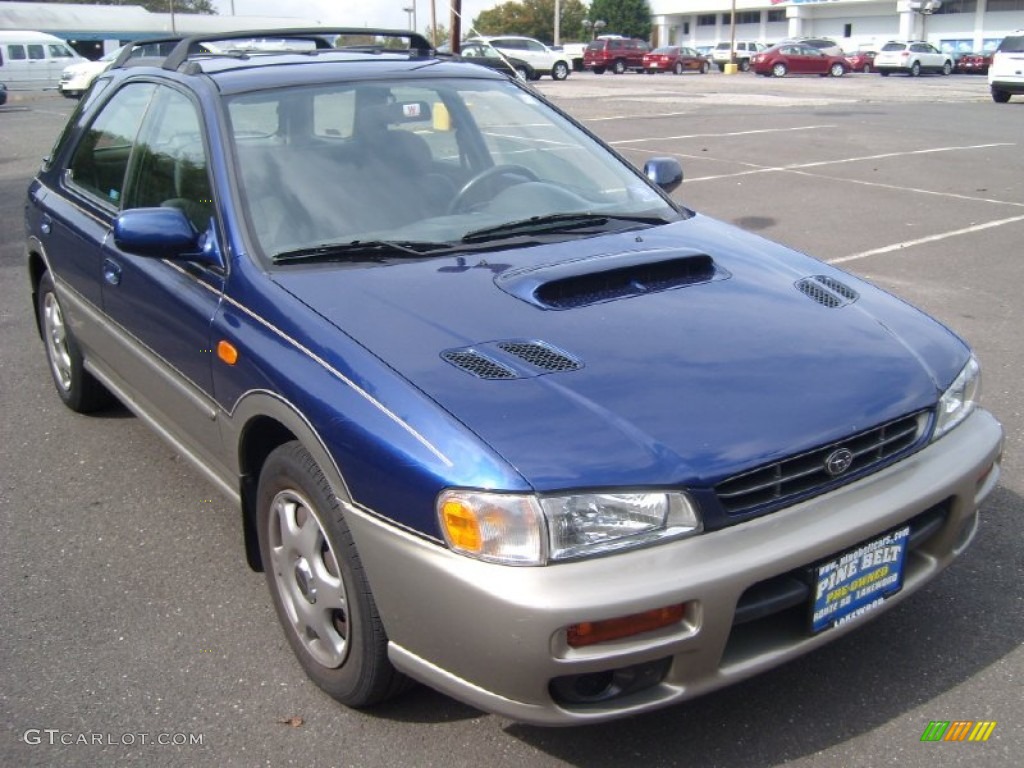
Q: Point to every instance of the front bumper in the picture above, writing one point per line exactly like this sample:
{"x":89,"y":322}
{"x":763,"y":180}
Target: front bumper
{"x":494,"y":636}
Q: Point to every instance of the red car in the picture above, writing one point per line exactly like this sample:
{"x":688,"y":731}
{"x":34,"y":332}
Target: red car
{"x":798,"y":59}
{"x":672,"y":58}
{"x":861,"y":61}
{"x":974,"y":63}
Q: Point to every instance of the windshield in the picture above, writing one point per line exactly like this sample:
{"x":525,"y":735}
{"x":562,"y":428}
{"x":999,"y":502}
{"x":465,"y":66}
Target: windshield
{"x":422,"y":162}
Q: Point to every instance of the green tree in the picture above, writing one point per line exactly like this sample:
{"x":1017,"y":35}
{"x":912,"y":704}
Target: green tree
{"x":156,"y":6}
{"x":631,"y":18}
{"x":533,"y":18}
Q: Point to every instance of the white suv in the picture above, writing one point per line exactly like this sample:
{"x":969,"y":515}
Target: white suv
{"x":544,"y":60}
{"x":1006,"y":73}
{"x":722,"y":55}
{"x":912,"y":58}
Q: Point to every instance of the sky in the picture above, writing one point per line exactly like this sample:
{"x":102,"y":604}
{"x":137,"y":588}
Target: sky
{"x":358,"y":13}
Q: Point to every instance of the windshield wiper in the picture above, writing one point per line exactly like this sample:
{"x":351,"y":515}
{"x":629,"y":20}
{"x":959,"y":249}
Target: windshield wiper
{"x":557,"y":222}
{"x":362,"y":250}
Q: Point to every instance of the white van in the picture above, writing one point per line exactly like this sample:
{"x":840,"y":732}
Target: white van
{"x":33,"y":60}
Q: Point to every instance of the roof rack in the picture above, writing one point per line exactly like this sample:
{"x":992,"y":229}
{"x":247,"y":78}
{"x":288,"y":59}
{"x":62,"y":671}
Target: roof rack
{"x":184,"y":46}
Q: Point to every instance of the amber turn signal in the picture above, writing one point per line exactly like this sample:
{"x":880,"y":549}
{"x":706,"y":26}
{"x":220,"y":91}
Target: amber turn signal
{"x":591,"y":632}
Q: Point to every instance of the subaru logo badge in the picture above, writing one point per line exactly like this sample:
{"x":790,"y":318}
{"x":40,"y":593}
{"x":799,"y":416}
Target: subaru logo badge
{"x":838,"y":461}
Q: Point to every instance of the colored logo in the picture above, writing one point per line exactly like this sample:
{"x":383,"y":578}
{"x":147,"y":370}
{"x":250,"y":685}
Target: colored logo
{"x":958,"y":730}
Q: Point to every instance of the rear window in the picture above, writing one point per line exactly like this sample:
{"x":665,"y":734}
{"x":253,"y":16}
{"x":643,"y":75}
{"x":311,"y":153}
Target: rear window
{"x":893,"y":47}
{"x":596,"y":45}
{"x":1012,"y":44}
{"x":664,"y":50}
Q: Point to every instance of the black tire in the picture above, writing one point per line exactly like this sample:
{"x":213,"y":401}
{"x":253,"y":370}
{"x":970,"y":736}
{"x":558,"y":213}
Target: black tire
{"x":559,"y":71}
{"x":523,"y":73}
{"x":77,"y":388}
{"x":598,"y":70}
{"x":779,"y":69}
{"x":678,"y":68}
{"x":915,"y":69}
{"x":1000,"y":97}
{"x":705,"y":68}
{"x":837,"y":70}
{"x":883,"y":73}
{"x":744,"y":65}
{"x":341,"y":643}
{"x":618,"y":67}
{"x":947,"y":68}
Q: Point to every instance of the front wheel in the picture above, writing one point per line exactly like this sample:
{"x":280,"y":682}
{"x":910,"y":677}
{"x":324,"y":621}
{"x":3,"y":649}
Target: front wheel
{"x":678,"y":68}
{"x":837,"y":70}
{"x":560,"y":71}
{"x":705,"y":68}
{"x":1000,"y":97}
{"x":947,"y":68}
{"x":778,"y":69}
{"x":744,"y":65}
{"x":619,"y":67}
{"x":320,"y":591}
{"x":78,"y":389}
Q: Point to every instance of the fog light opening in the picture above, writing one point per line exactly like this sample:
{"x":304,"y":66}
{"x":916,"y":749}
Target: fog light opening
{"x":597,"y":687}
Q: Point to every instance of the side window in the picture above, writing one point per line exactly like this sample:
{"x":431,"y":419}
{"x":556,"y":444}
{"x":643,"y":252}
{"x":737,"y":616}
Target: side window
{"x":169,"y":167}
{"x":334,"y":111}
{"x":100,"y":161}
{"x":60,"y":52}
{"x":36,"y":52}
{"x":16,"y":52}
{"x":534,"y":46}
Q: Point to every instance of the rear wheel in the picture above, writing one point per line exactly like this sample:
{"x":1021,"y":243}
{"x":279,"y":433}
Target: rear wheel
{"x":779,"y":69}
{"x":947,"y":68}
{"x":678,"y":68}
{"x":883,"y":73}
{"x":1000,"y":97}
{"x":744,"y":65}
{"x":560,"y":71}
{"x":320,"y":591}
{"x":598,"y":70}
{"x":78,"y":389}
{"x":705,"y":68}
{"x":619,"y":67}
{"x":522,"y":73}
{"x":915,"y":69}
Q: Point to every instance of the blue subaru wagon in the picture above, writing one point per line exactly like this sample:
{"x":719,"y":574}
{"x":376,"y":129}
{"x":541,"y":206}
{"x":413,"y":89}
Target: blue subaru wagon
{"x":499,"y":415}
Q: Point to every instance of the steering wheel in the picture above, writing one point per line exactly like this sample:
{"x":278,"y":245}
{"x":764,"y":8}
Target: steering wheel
{"x":487,"y":176}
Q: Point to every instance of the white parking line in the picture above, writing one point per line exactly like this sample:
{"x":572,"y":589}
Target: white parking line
{"x":719,"y":134}
{"x":922,"y":240}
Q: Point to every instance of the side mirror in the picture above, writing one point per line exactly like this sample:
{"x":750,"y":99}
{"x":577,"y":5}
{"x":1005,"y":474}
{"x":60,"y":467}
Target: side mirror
{"x":162,"y":233}
{"x":666,"y":172}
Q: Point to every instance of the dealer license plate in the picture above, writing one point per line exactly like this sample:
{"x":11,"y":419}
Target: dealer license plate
{"x":858,"y":580}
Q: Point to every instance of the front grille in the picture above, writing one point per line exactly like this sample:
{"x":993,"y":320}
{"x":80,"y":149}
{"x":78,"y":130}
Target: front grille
{"x":540,"y":355}
{"x":806,"y":474}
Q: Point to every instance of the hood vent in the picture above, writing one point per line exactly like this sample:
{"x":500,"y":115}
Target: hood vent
{"x":827,"y":291}
{"x":621,"y":282}
{"x":511,"y":359}
{"x":477,"y":364}
{"x":540,"y":355}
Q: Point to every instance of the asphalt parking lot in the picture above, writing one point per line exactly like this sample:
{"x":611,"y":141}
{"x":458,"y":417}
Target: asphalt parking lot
{"x":131,"y":618}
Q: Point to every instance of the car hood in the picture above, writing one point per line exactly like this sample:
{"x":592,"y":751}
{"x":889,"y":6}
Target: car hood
{"x":684,"y":355}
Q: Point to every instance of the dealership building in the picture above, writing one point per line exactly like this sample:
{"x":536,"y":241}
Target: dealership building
{"x":956,"y":26}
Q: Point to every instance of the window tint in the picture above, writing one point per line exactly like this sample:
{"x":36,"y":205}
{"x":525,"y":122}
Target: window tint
{"x":100,"y":161}
{"x":60,"y":52}
{"x":36,"y":52}
{"x":169,"y":166}
{"x":893,"y":47}
{"x":16,"y":52}
{"x":1012,"y":44}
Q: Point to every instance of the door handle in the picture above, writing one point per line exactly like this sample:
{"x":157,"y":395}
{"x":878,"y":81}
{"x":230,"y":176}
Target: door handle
{"x":111,"y":272}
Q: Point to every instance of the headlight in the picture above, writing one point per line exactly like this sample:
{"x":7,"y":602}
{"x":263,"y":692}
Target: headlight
{"x":532,"y":530}
{"x":959,"y":400}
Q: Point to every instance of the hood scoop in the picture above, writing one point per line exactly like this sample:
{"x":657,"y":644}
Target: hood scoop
{"x":594,"y":280}
{"x":514,"y":359}
{"x":827,"y":291}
